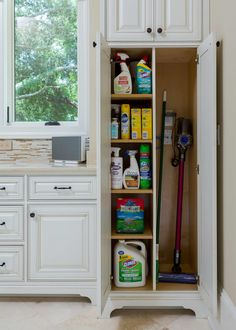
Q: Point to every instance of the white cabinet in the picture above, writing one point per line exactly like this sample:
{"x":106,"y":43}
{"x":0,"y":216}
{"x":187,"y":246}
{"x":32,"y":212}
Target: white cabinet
{"x":154,"y":20}
{"x":130,"y":20}
{"x":62,"y":242}
{"x":189,"y":76}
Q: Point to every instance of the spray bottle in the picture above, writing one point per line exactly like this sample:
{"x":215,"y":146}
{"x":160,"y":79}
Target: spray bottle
{"x":116,"y":169}
{"x":123,"y":82}
{"x":131,"y":176}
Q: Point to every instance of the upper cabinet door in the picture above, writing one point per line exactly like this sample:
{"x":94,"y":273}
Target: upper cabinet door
{"x":207,"y":184}
{"x":178,"y":21}
{"x":130,"y":20}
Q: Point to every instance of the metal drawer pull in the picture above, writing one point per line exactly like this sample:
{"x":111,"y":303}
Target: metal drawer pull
{"x":62,"y":188}
{"x":3,"y":264}
{"x":3,"y":188}
{"x":3,"y":223}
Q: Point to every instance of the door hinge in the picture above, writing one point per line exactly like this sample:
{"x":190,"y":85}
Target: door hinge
{"x":197,"y":59}
{"x":111,"y":277}
{"x":218,"y":134}
{"x":198,"y":169}
{"x":8,"y":115}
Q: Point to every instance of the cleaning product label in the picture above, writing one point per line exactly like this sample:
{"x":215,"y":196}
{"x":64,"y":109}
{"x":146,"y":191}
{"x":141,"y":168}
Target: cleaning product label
{"x":130,"y":270}
{"x":130,"y":215}
{"x":132,"y":179}
{"x":125,"y":121}
{"x":136,"y":124}
{"x":146,"y":123}
{"x":114,"y":129}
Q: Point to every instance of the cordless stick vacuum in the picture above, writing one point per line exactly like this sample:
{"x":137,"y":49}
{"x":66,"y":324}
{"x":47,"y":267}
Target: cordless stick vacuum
{"x":182,"y":142}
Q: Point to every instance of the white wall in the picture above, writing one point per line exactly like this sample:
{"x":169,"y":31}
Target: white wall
{"x":224,"y":23}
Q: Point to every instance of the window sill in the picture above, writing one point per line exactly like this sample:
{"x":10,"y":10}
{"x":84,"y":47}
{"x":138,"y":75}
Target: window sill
{"x":38,"y":132}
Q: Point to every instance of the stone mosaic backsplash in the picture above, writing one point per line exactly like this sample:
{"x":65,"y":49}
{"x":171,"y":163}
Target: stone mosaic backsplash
{"x":28,"y":151}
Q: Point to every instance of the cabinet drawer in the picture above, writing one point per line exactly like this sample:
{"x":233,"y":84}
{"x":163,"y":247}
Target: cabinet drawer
{"x":11,"y":263}
{"x":11,"y":223}
{"x":62,"y":187}
{"x":11,"y":188}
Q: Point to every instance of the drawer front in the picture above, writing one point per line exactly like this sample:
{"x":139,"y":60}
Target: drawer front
{"x":11,"y":188}
{"x":11,"y":263}
{"x":62,"y":187}
{"x":11,"y":223}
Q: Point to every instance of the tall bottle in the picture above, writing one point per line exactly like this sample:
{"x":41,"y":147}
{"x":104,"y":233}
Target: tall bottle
{"x":144,"y":77}
{"x":131,"y":176}
{"x":123,"y":82}
{"x":145,"y":167}
{"x":116,"y":169}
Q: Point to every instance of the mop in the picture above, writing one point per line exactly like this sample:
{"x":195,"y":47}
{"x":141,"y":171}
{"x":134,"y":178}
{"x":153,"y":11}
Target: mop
{"x":183,"y":141}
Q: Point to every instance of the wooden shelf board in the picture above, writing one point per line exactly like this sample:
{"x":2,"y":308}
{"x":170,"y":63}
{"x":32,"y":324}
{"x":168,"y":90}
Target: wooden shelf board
{"x":147,"y":287}
{"x":146,"y":235}
{"x":131,"y":141}
{"x":132,"y":191}
{"x":117,"y":97}
{"x":176,"y":287}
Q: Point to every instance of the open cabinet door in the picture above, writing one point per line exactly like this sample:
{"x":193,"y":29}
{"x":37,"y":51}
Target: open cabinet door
{"x":103,"y":165}
{"x":207,"y":179}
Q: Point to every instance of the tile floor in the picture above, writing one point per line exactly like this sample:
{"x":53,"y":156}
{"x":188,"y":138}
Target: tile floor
{"x":78,"y":314}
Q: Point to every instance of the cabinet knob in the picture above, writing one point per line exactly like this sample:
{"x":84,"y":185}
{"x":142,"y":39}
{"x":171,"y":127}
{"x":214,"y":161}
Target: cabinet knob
{"x":149,"y":30}
{"x":3,"y":188}
{"x":32,"y":215}
{"x":160,"y":30}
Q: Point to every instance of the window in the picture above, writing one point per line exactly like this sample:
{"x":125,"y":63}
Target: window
{"x":44,"y":62}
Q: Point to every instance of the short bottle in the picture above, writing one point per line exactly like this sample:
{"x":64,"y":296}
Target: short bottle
{"x":131,"y":176}
{"x":116,"y":169}
{"x":114,"y":129}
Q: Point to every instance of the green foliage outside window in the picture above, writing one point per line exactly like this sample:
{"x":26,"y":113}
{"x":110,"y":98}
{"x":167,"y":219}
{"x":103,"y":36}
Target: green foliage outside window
{"x":46,"y":76}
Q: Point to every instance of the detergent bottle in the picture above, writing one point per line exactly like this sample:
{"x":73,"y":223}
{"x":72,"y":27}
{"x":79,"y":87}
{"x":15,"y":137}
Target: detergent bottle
{"x":116,"y":169}
{"x":130,"y":262}
{"x":123,"y":82}
{"x":131,"y":176}
{"x":144,"y":77}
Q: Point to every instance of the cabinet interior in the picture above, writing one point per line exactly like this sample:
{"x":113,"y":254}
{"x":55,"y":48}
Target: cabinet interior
{"x":176,"y":72}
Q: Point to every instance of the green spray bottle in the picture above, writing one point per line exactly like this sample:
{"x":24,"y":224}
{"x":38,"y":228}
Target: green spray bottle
{"x":145,"y":167}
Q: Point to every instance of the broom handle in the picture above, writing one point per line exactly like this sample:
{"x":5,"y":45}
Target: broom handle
{"x":160,"y":174}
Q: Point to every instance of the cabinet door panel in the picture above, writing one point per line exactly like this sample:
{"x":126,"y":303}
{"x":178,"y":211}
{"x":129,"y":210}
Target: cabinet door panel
{"x":128,"y":20}
{"x":62,"y":242}
{"x":180,"y":20}
{"x":207,"y":179}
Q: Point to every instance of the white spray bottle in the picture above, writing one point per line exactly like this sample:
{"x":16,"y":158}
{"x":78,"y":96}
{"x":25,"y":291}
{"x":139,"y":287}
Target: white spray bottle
{"x":123,"y":82}
{"x":131,"y":176}
{"x":116,"y":169}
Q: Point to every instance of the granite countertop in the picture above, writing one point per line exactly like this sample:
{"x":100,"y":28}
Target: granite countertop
{"x":21,"y":168}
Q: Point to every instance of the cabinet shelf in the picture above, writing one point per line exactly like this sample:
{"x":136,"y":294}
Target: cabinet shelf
{"x":130,"y":141}
{"x":147,"y":287}
{"x":138,"y":97}
{"x":132,"y":191}
{"x":146,"y":235}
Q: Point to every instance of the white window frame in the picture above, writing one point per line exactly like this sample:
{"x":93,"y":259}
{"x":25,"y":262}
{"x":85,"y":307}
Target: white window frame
{"x":38,"y":129}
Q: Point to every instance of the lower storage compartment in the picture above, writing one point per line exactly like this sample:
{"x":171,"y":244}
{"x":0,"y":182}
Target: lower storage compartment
{"x":62,"y":242}
{"x":11,"y":263}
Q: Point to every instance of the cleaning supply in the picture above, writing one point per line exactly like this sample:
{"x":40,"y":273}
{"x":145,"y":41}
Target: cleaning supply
{"x":115,"y":121}
{"x":114,"y":129}
{"x":131,"y":176}
{"x":145,"y":167}
{"x":123,"y":82}
{"x":130,"y":264}
{"x":136,"y":124}
{"x":125,"y":121}
{"x":146,"y":123}
{"x":116,"y":169}
{"x":144,"y":77}
{"x":130,"y":215}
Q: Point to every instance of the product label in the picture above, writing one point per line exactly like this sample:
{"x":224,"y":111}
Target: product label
{"x":130,"y":215}
{"x":130,"y":270}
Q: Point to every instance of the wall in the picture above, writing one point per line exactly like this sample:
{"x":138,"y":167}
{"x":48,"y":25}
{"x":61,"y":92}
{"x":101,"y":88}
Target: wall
{"x":223,"y":22}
